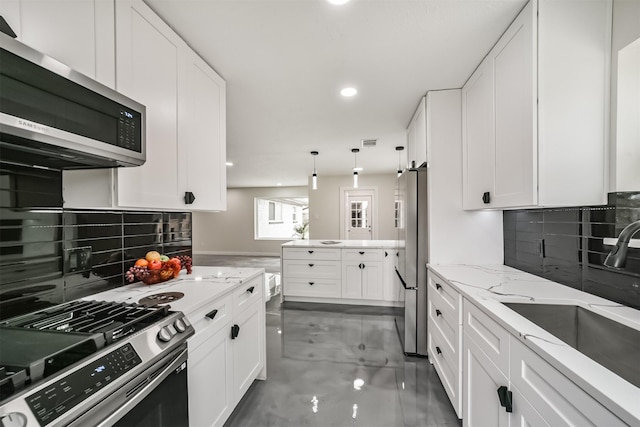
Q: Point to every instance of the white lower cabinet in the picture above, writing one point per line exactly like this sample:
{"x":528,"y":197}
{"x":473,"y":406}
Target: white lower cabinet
{"x":226,"y":354}
{"x":362,"y":280}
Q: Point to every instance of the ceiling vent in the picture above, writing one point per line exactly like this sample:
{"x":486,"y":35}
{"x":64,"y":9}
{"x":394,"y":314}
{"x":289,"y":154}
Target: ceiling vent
{"x":368,"y":143}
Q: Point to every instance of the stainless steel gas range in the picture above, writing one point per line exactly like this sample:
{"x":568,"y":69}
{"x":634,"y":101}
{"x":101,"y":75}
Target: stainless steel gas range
{"x":95,"y":363}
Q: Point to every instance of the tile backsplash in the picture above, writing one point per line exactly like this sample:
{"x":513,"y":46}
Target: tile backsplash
{"x":50,"y":255}
{"x":567,"y":245}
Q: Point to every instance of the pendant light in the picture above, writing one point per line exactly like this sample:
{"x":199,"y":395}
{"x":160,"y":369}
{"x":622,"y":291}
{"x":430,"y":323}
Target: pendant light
{"x":314,"y":177}
{"x":355,"y":152}
{"x":399,"y":148}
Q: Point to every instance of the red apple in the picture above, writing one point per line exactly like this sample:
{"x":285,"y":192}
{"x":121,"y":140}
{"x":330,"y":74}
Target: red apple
{"x":155,"y":264}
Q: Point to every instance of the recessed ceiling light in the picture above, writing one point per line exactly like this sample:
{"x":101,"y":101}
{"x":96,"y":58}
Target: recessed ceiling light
{"x":348,"y":91}
{"x":338,"y":2}
{"x":229,"y":163}
{"x":279,"y":184}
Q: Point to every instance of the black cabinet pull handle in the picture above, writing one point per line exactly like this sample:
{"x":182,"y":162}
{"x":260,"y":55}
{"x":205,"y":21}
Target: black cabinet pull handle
{"x":438,"y":350}
{"x":506,"y":398}
{"x":361,"y":253}
{"x":310,"y":252}
{"x":386,"y":254}
{"x":189,"y":198}
{"x":438,"y":312}
{"x":235,"y":329}
{"x":310,"y":265}
{"x":311,"y":283}
{"x":250,"y":290}
{"x":486,"y":198}
{"x":211,"y":314}
{"x":438,"y":286}
{"x":363,"y":266}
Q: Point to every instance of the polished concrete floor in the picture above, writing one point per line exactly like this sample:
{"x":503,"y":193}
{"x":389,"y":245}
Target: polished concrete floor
{"x":332,"y":365}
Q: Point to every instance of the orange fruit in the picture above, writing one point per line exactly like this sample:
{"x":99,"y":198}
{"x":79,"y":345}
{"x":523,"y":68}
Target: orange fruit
{"x":152,"y":255}
{"x":142,"y":262}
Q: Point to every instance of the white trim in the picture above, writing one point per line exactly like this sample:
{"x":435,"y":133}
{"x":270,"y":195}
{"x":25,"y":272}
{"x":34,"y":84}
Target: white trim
{"x":270,"y":254}
{"x":612,"y":241}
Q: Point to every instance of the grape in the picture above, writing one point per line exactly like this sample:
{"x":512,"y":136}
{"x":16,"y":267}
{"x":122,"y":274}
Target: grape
{"x":135,"y":272}
{"x":185,"y":262}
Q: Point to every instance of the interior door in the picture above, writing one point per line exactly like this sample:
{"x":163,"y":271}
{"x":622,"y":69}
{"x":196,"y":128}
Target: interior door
{"x":359,"y":216}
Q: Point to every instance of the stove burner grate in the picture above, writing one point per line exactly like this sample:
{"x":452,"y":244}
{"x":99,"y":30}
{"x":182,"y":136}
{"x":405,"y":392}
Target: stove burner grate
{"x":161,"y":298}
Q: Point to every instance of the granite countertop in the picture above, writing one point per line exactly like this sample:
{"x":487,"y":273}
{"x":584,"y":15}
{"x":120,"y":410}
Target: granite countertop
{"x":199,"y":288}
{"x":488,"y":286}
{"x":342,"y":244}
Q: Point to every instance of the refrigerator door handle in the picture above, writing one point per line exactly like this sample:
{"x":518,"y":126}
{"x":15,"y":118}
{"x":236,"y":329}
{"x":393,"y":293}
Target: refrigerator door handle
{"x":404,"y":285}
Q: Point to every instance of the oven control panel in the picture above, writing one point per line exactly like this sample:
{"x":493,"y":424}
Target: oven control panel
{"x":51,"y":402}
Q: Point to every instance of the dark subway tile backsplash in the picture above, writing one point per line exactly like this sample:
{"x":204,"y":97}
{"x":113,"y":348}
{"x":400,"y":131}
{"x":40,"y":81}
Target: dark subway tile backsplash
{"x":49,"y":255}
{"x":567,"y":246}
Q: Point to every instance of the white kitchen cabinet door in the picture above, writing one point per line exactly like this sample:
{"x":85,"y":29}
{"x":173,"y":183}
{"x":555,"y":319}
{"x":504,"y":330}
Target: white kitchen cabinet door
{"x":202,"y":133}
{"x":417,"y":136}
{"x":558,"y":399}
{"x":78,"y":33}
{"x":248,"y":348}
{"x":524,"y":414}
{"x":372,"y":280}
{"x":147,"y":71}
{"x":211,"y":398}
{"x":478,"y":137}
{"x":514,"y":68}
{"x":352,"y":279}
{"x":481,"y":380}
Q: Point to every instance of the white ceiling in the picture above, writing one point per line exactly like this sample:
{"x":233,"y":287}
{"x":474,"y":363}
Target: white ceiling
{"x":285,"y":62}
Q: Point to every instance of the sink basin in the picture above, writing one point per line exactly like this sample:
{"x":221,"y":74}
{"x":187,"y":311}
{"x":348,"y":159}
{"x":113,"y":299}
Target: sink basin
{"x":613,"y":345}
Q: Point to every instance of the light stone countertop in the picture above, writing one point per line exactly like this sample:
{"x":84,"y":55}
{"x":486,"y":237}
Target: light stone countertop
{"x":342,"y":244}
{"x":486,"y":286}
{"x":204,"y":285}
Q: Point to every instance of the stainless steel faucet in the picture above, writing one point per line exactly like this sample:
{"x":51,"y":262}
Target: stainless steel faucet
{"x":617,"y":258}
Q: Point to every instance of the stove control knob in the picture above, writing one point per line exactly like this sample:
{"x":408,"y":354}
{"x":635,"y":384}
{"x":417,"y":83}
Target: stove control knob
{"x":180,"y":325}
{"x":165,"y":334}
{"x":13,"y":419}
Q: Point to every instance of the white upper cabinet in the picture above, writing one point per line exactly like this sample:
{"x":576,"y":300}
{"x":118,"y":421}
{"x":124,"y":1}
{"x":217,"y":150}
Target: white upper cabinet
{"x":202,"y":132}
{"x":78,"y":33}
{"x":185,"y":123}
{"x":147,"y":71}
{"x":535,"y":112}
{"x":417,"y":136}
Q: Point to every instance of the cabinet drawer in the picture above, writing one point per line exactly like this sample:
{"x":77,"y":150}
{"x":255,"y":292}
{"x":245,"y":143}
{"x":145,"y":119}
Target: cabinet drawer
{"x":312,"y":269}
{"x":312,"y":288}
{"x":247,"y":293}
{"x":331,"y":254}
{"x":210,"y":319}
{"x":446,"y":296}
{"x":488,"y":335}
{"x":362,"y":254}
{"x":445,"y":320}
{"x":446,"y":365}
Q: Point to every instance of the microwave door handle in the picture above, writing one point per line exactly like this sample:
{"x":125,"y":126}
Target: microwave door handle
{"x":132,"y":401}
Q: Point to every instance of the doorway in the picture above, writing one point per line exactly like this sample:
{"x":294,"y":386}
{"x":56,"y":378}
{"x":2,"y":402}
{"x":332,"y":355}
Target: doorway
{"x":358,"y":215}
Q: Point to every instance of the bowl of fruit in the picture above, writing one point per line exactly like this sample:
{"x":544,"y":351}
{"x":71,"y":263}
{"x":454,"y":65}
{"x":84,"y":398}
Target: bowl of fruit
{"x":156,"y":268}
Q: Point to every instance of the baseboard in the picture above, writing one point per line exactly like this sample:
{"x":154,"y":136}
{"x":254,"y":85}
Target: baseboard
{"x":273,"y":254}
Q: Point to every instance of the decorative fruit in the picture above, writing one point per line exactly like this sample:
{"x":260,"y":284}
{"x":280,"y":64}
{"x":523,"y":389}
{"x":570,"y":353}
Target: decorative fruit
{"x":164,"y":258}
{"x":152,"y":255}
{"x":175,"y":262}
{"x":142,"y":263}
{"x":155,"y":264}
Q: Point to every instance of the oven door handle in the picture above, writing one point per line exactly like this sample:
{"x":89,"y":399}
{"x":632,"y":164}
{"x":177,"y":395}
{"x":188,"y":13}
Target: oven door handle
{"x":133,"y":400}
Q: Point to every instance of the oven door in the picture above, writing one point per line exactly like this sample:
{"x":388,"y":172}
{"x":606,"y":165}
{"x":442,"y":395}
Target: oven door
{"x":157,"y":397}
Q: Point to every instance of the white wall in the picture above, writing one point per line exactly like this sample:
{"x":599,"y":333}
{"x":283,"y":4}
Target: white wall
{"x":232,"y":232}
{"x":625,"y":144}
{"x":324,"y":204}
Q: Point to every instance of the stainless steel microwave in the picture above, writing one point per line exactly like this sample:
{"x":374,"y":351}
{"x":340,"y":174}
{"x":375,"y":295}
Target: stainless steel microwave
{"x":52,"y":116}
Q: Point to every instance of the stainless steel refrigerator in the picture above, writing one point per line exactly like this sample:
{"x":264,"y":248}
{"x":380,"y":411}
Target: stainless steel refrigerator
{"x":412,"y":247}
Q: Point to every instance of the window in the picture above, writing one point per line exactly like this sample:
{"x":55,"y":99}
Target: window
{"x":359,"y":214}
{"x":397,"y":214}
{"x":281,"y":218}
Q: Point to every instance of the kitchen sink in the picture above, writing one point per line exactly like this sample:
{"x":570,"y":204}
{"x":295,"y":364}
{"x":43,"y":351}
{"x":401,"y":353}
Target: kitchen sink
{"x":611,"y":344}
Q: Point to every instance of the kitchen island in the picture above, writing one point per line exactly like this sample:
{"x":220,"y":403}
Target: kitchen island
{"x":496,"y":364}
{"x":359,"y":272}
{"x":226,"y":307}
